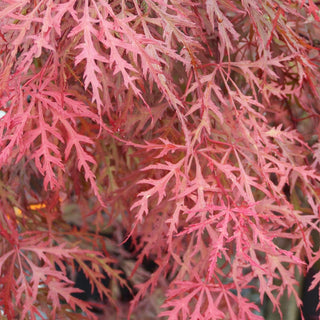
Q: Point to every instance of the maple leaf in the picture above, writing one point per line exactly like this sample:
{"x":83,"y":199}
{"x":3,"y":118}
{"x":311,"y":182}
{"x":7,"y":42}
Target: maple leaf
{"x":89,"y":53}
{"x":159,"y":186}
{"x":224,"y":26}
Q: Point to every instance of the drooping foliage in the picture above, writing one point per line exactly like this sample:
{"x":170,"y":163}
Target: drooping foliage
{"x":190,"y":127}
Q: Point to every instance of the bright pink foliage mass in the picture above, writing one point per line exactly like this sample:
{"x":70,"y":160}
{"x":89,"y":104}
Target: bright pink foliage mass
{"x":190,"y":126}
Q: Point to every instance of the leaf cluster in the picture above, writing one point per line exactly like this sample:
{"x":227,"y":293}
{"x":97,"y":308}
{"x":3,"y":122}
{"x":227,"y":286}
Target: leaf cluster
{"x":190,"y":127}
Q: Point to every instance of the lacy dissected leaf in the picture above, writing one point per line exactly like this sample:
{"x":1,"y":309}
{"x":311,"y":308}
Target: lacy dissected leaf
{"x":33,"y":271}
{"x":45,"y":109}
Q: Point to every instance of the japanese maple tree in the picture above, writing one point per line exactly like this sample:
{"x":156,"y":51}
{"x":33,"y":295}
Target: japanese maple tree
{"x":189,"y":128}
